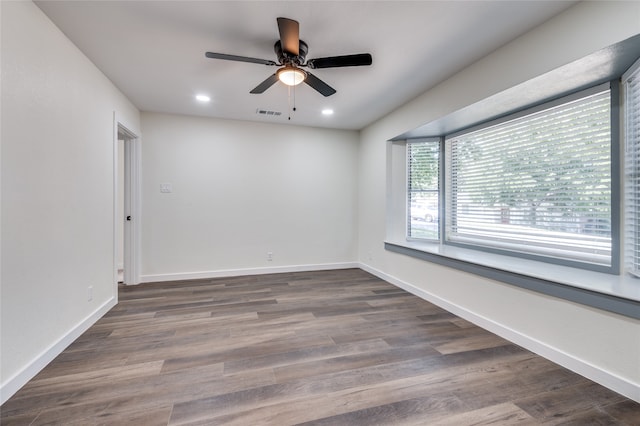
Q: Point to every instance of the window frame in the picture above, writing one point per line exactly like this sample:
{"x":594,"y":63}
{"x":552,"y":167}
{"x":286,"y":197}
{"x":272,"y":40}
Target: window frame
{"x":615,"y":174}
{"x":439,"y":191}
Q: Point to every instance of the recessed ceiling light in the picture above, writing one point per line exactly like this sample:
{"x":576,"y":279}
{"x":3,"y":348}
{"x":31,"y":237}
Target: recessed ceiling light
{"x":327,"y":111}
{"x":203,"y":98}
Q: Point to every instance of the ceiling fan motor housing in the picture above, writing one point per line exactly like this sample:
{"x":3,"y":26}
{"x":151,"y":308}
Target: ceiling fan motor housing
{"x":285,"y":58}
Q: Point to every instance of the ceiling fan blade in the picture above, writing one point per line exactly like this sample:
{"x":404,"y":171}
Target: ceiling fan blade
{"x":226,"y":57}
{"x":319,"y":85}
{"x":357,"y":60}
{"x":260,"y":88}
{"x":289,"y":35}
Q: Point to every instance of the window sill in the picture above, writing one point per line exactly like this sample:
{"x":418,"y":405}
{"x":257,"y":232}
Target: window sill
{"x":613,"y":293}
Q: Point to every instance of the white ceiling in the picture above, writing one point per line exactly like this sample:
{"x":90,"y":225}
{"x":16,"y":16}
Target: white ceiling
{"x":153,"y":51}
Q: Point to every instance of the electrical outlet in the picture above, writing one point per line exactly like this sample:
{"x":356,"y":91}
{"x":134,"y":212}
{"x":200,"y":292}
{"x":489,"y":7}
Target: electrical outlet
{"x":89,"y":293}
{"x":269,"y":256}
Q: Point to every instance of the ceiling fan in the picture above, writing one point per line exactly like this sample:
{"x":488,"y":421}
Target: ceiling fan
{"x":291,"y":53}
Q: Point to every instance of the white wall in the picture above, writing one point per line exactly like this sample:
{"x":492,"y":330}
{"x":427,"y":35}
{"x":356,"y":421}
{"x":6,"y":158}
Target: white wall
{"x":57,"y":191}
{"x":243,"y":189}
{"x":604,"y":346}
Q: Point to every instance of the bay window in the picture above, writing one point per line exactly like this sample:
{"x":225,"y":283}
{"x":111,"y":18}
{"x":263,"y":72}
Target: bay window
{"x":532,"y":187}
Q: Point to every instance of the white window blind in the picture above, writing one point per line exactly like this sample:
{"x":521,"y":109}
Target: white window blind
{"x":632,"y":170}
{"x":539,"y":184}
{"x":423,"y":189}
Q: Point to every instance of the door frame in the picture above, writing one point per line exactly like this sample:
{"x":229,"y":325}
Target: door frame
{"x":132,"y":229}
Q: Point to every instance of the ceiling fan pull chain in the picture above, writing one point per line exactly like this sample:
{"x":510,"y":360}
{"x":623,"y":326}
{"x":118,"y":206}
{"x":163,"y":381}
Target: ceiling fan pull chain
{"x":294,"y":98}
{"x":289,"y":100}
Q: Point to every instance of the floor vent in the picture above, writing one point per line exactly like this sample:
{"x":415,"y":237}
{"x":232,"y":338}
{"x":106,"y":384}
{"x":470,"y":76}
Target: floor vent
{"x":267,"y":112}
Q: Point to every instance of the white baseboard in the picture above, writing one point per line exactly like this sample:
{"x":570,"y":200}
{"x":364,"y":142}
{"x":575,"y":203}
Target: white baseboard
{"x":13,"y":384}
{"x":246,"y":271}
{"x":605,"y":378}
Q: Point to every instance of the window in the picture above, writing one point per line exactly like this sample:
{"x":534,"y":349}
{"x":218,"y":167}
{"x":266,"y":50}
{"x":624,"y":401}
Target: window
{"x":632,"y":169}
{"x":537,"y":184}
{"x":546,"y":197}
{"x":423,"y":209}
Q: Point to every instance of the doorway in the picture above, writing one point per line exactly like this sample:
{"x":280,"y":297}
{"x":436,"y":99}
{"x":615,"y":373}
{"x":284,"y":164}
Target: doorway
{"x":120,"y":210}
{"x":126,"y":206}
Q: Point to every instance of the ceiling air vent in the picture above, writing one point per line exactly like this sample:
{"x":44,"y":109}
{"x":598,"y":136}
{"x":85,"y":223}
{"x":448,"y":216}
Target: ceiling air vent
{"x":268,"y":112}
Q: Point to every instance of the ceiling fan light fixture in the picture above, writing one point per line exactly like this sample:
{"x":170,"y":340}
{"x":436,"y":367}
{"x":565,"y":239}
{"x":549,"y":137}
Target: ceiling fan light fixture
{"x":291,"y":76}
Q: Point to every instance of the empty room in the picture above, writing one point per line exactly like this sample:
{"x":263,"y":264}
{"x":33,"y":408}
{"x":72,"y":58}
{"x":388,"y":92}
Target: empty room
{"x":320,"y":212}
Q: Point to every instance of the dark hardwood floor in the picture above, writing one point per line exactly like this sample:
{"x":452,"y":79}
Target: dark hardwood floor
{"x":314,"y":348}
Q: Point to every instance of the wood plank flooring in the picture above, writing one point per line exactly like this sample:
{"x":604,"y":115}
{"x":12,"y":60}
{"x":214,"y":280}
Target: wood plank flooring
{"x":314,"y":348}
